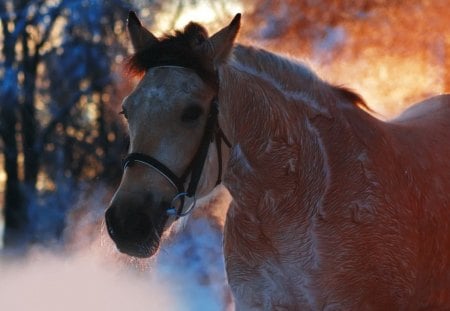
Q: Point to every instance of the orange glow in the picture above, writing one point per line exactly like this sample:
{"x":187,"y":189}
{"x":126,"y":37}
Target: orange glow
{"x":393,"y":53}
{"x":389,"y":84}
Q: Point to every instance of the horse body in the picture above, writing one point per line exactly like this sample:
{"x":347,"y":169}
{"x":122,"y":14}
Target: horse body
{"x":343,"y":212}
{"x":332,"y":209}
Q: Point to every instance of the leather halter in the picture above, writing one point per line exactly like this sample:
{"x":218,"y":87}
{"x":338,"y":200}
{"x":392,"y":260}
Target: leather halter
{"x":194,"y":169}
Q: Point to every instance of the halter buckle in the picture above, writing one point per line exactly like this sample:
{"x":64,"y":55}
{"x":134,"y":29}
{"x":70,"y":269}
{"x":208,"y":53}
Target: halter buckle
{"x":178,"y":211}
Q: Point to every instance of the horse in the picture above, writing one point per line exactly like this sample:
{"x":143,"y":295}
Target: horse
{"x":332,"y":208}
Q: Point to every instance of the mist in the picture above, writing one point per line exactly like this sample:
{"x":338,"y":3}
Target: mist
{"x":88,"y":273}
{"x":49,"y":282}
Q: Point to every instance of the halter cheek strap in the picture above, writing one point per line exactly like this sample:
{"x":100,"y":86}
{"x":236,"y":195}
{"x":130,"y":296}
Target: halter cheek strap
{"x":195,"y":168}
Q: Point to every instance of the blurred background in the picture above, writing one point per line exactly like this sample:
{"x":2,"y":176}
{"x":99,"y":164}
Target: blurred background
{"x":61,"y":138}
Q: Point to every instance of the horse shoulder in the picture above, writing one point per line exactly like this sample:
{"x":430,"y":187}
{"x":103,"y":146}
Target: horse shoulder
{"x":406,"y":166}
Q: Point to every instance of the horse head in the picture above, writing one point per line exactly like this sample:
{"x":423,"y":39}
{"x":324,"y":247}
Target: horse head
{"x":172,"y":120}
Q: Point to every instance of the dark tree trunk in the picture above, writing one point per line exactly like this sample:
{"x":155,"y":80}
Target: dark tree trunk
{"x":15,"y":209}
{"x":28,"y":114}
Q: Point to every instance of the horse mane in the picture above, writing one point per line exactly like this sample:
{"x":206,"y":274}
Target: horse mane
{"x":176,"y":49}
{"x":352,"y":97}
{"x":290,"y":74}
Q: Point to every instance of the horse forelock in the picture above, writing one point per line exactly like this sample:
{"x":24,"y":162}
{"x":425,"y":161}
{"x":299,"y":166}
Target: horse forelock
{"x":175,"y":50}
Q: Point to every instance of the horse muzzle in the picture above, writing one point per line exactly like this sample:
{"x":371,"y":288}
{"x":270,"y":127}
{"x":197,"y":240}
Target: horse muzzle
{"x":134,"y":233}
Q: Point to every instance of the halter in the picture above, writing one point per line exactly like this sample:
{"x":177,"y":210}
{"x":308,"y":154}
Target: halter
{"x":212,"y":132}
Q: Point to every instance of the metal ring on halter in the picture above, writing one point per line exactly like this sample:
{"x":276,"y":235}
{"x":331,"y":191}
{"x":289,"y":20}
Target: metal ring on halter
{"x":173,"y":211}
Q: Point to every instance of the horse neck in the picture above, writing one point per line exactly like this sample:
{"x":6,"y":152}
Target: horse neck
{"x":269,"y":87}
{"x":276,"y":121}
{"x":275,"y":146}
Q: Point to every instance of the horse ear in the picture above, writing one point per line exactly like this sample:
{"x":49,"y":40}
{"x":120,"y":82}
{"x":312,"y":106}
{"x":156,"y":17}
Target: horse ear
{"x":220,"y":44}
{"x":140,"y":37}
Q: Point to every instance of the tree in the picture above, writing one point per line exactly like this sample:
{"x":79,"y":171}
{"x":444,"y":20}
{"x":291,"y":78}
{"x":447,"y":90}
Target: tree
{"x":57,"y":62}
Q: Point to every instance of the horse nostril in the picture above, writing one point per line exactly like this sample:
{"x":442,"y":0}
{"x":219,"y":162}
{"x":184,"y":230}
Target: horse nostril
{"x":109,"y":219}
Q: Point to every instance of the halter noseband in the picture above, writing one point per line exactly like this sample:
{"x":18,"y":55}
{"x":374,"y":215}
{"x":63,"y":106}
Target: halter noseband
{"x":212,"y":132}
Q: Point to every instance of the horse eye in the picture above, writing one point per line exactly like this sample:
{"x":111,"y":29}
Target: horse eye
{"x":191,"y":113}
{"x":124,"y":113}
